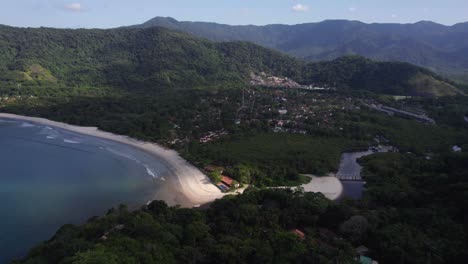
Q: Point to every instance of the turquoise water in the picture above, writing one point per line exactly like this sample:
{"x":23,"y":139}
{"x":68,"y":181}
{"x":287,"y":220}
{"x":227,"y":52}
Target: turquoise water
{"x":50,"y":177}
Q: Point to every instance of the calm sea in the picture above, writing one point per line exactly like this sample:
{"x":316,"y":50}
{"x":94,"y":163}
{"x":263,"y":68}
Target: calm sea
{"x":50,"y":177}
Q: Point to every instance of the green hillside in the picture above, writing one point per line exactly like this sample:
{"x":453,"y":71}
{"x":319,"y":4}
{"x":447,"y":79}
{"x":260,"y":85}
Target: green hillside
{"x":157,"y":57}
{"x":396,"y":78}
{"x":129,"y":57}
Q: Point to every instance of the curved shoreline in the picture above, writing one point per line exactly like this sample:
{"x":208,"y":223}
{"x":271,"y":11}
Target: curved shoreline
{"x":195,"y":186}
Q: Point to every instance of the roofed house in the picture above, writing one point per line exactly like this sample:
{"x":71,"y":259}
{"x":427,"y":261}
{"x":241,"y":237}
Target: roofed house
{"x":227,"y":180}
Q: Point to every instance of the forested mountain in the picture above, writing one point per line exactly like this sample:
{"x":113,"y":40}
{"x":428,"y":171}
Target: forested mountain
{"x":158,"y":57}
{"x":441,"y":48}
{"x":129,"y":57}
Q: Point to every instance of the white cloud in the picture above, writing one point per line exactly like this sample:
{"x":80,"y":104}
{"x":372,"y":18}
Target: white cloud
{"x":352,"y":9}
{"x":300,"y":8}
{"x":74,"y":7}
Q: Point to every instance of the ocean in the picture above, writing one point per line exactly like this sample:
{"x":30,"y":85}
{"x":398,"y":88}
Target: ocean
{"x":50,"y":177}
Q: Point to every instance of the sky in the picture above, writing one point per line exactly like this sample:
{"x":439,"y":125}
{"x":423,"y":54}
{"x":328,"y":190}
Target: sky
{"x":115,"y":13}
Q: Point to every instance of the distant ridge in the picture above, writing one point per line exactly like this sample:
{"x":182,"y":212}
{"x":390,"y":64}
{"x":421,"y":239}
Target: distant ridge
{"x":428,"y":44}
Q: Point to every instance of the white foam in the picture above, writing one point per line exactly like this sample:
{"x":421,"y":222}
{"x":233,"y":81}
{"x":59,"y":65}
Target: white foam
{"x":132,"y":158}
{"x":24,"y":124}
{"x":70,"y":141}
{"x":150,"y":172}
{"x":50,"y":137}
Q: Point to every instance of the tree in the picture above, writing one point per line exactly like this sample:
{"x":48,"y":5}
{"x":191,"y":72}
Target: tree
{"x":215,"y":176}
{"x":242,"y":173}
{"x":355,"y":227}
{"x":98,"y":255}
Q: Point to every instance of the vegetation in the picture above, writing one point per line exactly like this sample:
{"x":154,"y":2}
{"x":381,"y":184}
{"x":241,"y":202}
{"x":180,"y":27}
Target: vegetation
{"x":130,"y":58}
{"x":215,"y":176}
{"x":272,"y":159}
{"x":397,"y":78}
{"x":417,"y":207}
{"x":252,"y":228}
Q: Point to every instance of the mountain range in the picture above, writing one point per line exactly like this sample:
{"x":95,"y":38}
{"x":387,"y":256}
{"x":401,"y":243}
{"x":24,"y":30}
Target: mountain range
{"x":155,"y":57}
{"x":443,"y":49}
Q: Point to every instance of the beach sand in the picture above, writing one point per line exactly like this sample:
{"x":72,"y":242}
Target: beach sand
{"x":190,"y":188}
{"x":330,"y":186}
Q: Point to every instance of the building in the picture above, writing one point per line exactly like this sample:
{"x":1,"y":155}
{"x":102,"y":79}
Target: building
{"x":227,"y":180}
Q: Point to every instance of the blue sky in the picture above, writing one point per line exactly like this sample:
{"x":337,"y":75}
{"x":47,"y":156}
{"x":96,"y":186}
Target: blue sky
{"x":113,"y":13}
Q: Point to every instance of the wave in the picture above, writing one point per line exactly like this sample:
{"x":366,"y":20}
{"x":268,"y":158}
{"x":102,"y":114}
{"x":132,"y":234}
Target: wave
{"x":70,"y":141}
{"x":150,"y":171}
{"x":50,"y":137}
{"x":24,"y":124}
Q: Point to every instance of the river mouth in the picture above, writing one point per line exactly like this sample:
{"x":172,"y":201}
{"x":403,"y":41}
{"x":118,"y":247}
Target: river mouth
{"x":50,"y":177}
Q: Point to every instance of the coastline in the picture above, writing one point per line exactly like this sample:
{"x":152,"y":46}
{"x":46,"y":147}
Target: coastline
{"x":189,"y":182}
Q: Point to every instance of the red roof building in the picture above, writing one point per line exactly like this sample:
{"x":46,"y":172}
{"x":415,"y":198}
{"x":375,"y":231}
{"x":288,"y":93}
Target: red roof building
{"x":226,"y":180}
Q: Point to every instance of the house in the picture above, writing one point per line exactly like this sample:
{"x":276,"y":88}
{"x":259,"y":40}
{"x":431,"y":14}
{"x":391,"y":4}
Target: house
{"x":227,"y":180}
{"x":298,"y":233}
{"x":225,"y":183}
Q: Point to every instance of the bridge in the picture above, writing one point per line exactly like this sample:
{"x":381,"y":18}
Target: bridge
{"x":349,"y":177}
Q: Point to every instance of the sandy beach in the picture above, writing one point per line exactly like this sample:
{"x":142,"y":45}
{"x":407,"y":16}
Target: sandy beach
{"x":190,"y":182}
{"x":330,"y":186}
